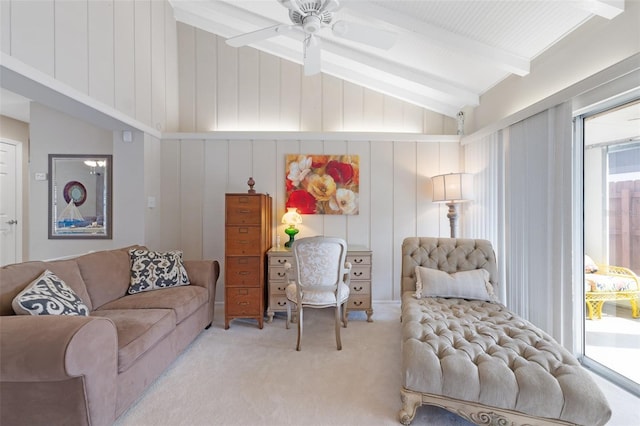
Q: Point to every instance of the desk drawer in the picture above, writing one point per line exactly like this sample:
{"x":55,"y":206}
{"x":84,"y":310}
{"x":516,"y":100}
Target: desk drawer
{"x":359,"y":260}
{"x":359,"y":288}
{"x":360,"y":272}
{"x":277,"y":288}
{"x":357,"y":303}
{"x":275,"y":261}
{"x":278,"y":274}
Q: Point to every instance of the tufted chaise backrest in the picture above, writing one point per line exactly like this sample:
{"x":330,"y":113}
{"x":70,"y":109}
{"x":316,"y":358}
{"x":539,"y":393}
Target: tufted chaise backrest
{"x":446,"y":254}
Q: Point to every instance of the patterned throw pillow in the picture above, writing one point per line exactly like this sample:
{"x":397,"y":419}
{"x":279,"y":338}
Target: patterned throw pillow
{"x":153,"y":270}
{"x":48,"y":295}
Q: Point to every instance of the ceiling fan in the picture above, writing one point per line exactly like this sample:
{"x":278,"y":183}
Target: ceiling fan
{"x":310,"y":17}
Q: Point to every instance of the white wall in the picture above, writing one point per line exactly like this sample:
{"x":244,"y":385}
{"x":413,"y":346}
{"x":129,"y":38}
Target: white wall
{"x":394,"y":193}
{"x":228,"y":89}
{"x":53,"y":132}
{"x":122,"y":53}
{"x":225,"y":88}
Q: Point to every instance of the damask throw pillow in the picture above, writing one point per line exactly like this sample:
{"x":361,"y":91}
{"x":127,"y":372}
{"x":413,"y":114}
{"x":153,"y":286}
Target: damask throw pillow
{"x":153,"y":270}
{"x":474,"y":284}
{"x":48,"y":295}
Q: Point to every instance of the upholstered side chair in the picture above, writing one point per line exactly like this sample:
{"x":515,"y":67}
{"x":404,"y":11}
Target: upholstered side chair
{"x":318,"y":278}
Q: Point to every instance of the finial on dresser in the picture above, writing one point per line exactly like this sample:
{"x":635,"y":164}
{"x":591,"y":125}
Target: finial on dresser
{"x":251,"y":182}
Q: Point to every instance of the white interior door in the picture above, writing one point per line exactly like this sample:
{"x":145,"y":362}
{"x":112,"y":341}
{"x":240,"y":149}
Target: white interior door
{"x":8,"y":204}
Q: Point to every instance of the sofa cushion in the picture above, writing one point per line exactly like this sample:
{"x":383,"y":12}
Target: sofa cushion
{"x":49,"y":295}
{"x":153,"y":270}
{"x":106,"y":274}
{"x":138,"y":331}
{"x":183,"y":300}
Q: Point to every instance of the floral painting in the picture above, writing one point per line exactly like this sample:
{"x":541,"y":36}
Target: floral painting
{"x":323,"y":184}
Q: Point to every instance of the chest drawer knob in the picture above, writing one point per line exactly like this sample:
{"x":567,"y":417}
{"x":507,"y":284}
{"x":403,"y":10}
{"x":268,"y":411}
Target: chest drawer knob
{"x":359,"y":260}
{"x":357,"y":274}
{"x":357,"y":288}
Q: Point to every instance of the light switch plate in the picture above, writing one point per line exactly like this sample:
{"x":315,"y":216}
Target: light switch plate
{"x":41,"y":176}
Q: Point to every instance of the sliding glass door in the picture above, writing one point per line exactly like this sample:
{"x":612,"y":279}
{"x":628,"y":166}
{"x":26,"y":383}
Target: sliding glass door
{"x":612,"y":241}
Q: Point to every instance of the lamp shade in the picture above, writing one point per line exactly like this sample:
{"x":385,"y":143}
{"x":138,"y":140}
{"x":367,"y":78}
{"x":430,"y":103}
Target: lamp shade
{"x":452,"y":188}
{"x":291,"y":217}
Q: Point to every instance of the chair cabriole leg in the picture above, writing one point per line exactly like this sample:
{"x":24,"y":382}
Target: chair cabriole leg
{"x":299,"y":327}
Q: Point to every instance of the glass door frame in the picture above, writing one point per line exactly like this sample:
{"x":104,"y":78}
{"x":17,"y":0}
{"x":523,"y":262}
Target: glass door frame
{"x":579,"y":240}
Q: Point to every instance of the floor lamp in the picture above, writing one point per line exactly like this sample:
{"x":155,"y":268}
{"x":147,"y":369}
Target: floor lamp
{"x":452,"y":188}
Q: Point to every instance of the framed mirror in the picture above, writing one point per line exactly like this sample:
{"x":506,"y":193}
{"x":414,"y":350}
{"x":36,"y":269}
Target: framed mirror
{"x":80,"y":196}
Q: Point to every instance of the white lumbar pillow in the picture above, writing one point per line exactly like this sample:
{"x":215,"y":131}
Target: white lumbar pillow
{"x":473,"y":284}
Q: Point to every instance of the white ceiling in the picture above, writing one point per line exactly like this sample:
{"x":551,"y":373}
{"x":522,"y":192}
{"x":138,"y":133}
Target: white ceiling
{"x":447,"y":52}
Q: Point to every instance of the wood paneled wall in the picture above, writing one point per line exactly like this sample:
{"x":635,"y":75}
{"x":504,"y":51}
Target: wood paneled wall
{"x":225,"y":88}
{"x":394,"y":194}
{"x":122,"y":53}
{"x":228,"y":89}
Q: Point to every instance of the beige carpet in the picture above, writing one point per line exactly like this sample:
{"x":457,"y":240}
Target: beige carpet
{"x":248,"y":376}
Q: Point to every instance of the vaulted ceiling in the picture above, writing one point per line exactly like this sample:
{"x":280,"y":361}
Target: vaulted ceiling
{"x":446,"y":52}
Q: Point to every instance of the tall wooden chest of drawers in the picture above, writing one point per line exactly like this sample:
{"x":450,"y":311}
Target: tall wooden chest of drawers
{"x":247,"y":239}
{"x":360,"y":291}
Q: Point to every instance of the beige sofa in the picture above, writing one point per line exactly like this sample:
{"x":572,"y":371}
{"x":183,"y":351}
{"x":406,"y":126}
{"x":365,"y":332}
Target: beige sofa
{"x":473,"y":356}
{"x":87,"y":370}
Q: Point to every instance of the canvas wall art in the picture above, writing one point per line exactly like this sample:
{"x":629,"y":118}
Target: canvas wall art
{"x":323,"y":184}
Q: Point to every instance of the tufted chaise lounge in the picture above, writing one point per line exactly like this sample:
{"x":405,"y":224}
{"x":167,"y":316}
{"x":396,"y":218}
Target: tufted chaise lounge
{"x":478,"y":359}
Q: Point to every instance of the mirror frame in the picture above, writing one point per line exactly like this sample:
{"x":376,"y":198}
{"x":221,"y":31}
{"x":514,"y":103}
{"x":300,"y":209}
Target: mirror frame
{"x":74,"y":188}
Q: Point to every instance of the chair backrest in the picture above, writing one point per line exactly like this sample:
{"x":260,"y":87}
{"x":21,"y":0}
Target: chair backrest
{"x":319,"y":261}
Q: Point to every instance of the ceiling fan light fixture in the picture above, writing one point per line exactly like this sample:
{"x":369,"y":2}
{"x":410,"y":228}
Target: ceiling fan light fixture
{"x":311,"y":24}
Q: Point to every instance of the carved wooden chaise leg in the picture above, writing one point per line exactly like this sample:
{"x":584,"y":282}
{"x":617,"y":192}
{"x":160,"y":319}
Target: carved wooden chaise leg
{"x":410,"y":403}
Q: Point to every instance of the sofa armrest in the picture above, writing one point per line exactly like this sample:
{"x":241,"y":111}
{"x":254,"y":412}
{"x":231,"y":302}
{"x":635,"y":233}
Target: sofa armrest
{"x":204,"y":273}
{"x":39,"y":353}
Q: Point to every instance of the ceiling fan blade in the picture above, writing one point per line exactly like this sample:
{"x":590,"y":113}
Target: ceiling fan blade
{"x":258,"y":35}
{"x":330,"y":5}
{"x":292,"y":5}
{"x":312,"y":55}
{"x":365,"y":34}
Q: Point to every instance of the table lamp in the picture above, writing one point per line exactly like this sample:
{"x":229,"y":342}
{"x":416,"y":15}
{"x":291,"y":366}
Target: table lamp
{"x":291,"y":218}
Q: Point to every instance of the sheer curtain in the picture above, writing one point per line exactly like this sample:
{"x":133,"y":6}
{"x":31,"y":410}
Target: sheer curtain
{"x":523,"y":180}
